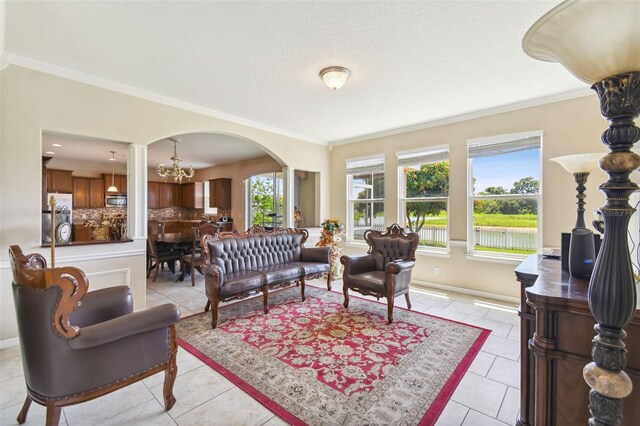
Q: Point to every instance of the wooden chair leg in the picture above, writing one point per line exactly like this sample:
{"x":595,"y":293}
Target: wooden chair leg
{"x":214,"y":313}
{"x":406,"y":296}
{"x":390,"y":309}
{"x":53,"y":414}
{"x":22,"y":417}
{"x":302,"y":288}
{"x":265,"y":299}
{"x":155,"y":275}
{"x":329,"y":281}
{"x":193,"y":270}
{"x":171,"y":372}
{"x":207,"y":306}
{"x":345,"y":290}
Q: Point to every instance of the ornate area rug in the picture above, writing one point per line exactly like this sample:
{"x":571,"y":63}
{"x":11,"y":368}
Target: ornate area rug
{"x":317,"y":363}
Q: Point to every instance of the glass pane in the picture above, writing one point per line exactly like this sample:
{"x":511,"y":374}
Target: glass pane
{"x":427,"y":180}
{"x":429,"y":220}
{"x":361,"y":187}
{"x":367,"y":215}
{"x":266,"y":198}
{"x":513,"y":173}
{"x":378,"y":185}
{"x":505,"y":226}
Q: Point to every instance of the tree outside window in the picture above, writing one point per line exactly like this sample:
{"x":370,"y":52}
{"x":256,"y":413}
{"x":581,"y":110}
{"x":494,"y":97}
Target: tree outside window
{"x":424,"y":196}
{"x":266,"y":199}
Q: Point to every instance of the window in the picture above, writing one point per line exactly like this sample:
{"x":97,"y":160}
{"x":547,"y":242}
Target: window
{"x":266,"y":206}
{"x":207,"y":209}
{"x":365,"y":180}
{"x":505,"y":195}
{"x":424,"y":195}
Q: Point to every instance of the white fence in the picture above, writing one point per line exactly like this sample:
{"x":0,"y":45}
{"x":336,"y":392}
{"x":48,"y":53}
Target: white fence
{"x":485,"y":236}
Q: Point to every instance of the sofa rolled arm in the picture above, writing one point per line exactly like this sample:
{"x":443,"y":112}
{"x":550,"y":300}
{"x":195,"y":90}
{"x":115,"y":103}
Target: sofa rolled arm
{"x":399,"y":265}
{"x":131,"y":324}
{"x":316,"y":254}
{"x":102,"y":305}
{"x":358,"y":264}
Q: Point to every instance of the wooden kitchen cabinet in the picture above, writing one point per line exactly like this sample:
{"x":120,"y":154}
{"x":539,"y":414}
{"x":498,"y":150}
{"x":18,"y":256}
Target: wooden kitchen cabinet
{"x":162,"y":195}
{"x":96,"y":193}
{"x":88,"y":193}
{"x":80,"y":193}
{"x":220,"y":193}
{"x":59,"y":181}
{"x":193,"y":195}
{"x":120,"y":181}
{"x":153,"y":195}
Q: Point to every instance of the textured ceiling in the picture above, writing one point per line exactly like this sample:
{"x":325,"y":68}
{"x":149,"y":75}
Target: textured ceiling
{"x":411,"y":62}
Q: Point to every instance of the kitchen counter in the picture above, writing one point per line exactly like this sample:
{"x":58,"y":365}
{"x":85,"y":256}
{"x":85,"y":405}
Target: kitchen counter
{"x":86,"y":243}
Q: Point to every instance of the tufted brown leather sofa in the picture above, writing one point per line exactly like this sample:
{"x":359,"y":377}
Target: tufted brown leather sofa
{"x":240,"y":264}
{"x":385,"y":271}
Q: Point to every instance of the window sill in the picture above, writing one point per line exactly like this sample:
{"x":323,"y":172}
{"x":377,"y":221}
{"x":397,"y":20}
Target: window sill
{"x":515,"y":260}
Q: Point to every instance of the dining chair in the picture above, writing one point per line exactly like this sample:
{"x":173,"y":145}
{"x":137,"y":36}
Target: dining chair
{"x":196,"y":259}
{"x":161,"y":256}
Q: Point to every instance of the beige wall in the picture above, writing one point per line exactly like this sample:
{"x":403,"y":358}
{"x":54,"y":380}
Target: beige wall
{"x":238,"y":172}
{"x":569,"y":127}
{"x":32,"y":102}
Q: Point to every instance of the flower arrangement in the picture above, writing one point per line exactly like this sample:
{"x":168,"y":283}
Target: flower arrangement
{"x":110,"y":228}
{"x":297,"y":217}
{"x":331,"y":236}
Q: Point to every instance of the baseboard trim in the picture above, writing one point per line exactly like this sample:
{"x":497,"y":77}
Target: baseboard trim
{"x":427,"y":285}
{"x":9,"y":343}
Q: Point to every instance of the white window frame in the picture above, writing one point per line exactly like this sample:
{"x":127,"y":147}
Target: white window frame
{"x":402,"y":199}
{"x":371,"y":162}
{"x":493,"y":140}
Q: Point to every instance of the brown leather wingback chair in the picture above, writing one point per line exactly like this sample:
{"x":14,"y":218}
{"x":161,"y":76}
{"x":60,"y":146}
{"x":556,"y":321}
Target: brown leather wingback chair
{"x":74,"y":352}
{"x":385,"y":271}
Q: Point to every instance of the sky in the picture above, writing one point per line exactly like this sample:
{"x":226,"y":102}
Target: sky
{"x":503,"y":170}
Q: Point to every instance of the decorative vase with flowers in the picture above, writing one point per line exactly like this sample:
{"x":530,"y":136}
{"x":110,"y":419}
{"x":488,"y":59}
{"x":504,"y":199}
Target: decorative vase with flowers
{"x":331,"y":236}
{"x":298,"y":219}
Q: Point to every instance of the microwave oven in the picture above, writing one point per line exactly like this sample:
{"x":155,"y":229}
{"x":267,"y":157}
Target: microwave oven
{"x":118,"y":200}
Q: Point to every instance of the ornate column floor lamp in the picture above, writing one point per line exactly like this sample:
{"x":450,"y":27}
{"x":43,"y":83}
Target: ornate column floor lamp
{"x":582,"y":249}
{"x":598,"y":42}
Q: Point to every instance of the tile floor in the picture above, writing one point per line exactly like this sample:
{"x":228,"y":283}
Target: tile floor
{"x":487,"y":395}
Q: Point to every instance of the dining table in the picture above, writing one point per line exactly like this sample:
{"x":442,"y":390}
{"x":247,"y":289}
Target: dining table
{"x":176,"y":241}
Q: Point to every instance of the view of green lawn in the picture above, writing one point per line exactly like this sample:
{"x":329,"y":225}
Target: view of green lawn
{"x":498,"y":220}
{"x":501,"y":250}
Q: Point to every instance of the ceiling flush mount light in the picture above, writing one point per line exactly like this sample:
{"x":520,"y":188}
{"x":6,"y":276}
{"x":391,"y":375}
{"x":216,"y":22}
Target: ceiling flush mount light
{"x":597,"y":42}
{"x":112,"y":189}
{"x":176,"y":173}
{"x":334,"y":77}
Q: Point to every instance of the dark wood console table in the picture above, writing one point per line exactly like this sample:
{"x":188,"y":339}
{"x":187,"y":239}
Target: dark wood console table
{"x":556,"y":328}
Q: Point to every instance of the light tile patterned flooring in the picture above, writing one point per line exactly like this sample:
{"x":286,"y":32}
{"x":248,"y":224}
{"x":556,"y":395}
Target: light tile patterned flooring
{"x":487,"y":395}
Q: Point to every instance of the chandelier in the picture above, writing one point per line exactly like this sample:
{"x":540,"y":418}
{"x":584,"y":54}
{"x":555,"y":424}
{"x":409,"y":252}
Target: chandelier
{"x":177,"y":173}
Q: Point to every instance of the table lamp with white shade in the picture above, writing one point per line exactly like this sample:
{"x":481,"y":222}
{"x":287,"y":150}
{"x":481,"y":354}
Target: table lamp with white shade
{"x":582,"y":252}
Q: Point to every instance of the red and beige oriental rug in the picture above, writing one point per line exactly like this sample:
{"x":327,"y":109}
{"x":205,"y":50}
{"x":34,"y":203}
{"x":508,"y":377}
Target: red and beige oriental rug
{"x":317,"y":363}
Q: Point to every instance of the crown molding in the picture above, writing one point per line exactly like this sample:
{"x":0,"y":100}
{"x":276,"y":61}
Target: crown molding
{"x":21,"y":61}
{"x":578,"y":93}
